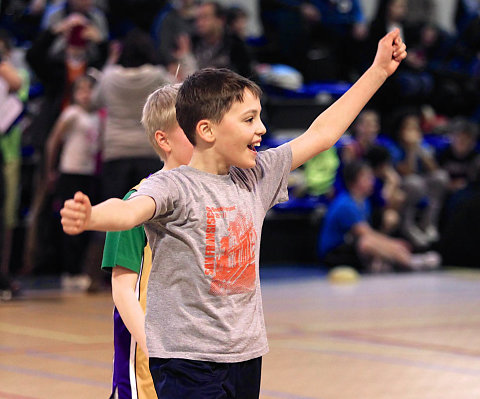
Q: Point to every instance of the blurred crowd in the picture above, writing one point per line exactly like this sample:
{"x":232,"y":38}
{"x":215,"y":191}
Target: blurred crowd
{"x":74,"y":75}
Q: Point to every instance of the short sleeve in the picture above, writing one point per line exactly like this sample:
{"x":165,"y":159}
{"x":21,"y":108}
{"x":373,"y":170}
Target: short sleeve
{"x":162,"y":189}
{"x":273,"y":168}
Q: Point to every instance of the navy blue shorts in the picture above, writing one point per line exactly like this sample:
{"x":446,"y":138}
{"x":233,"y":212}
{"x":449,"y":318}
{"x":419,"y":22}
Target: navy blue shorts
{"x":192,"y":379}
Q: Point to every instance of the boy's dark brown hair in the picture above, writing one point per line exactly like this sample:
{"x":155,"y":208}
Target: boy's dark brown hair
{"x":209,"y":94}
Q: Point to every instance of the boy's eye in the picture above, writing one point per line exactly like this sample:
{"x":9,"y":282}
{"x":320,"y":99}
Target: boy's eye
{"x":249,"y":120}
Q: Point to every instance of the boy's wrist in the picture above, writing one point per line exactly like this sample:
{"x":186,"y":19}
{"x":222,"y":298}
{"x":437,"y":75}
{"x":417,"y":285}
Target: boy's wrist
{"x":378,"y":72}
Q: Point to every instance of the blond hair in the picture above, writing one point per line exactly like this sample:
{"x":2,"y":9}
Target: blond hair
{"x":159,"y":113}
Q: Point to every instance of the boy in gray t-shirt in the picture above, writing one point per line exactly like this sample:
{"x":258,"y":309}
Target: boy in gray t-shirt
{"x":204,"y":322}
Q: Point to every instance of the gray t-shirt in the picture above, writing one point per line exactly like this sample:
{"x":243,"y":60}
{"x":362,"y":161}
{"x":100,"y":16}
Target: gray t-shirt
{"x":203,"y":299}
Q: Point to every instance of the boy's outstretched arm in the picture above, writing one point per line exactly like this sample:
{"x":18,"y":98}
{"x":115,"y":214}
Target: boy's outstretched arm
{"x":329,"y":126}
{"x":113,"y":214}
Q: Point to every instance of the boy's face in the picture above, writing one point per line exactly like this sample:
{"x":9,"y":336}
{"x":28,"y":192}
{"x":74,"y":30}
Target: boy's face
{"x":238,"y":133}
{"x":181,"y":147}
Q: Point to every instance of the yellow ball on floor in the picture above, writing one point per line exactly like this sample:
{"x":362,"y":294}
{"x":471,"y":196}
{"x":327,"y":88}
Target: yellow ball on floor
{"x":343,"y":275}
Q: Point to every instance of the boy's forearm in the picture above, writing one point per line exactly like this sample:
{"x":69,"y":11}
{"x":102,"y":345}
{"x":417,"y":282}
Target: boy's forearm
{"x":334,"y":121}
{"x":113,"y":214}
{"x":329,"y":126}
{"x":131,"y":312}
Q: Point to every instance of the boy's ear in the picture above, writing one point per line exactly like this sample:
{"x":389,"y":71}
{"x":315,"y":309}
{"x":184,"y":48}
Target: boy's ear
{"x":162,"y":140}
{"x":205,"y":131}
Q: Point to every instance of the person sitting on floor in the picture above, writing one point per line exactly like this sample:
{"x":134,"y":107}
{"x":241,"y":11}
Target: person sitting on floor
{"x":347,"y":237}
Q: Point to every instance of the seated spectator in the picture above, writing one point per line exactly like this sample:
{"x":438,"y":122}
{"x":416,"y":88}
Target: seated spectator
{"x":459,"y":158}
{"x":366,"y":137}
{"x":424,"y":183}
{"x":387,"y":198}
{"x":214,"y":46}
{"x":347,"y":237}
{"x":365,"y":134}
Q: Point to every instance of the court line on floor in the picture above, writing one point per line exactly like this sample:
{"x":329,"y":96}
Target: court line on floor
{"x":53,"y":335}
{"x":68,"y":359}
{"x":54,"y":376}
{"x":399,"y":343}
{"x":379,"y":358}
{"x":373,"y":337}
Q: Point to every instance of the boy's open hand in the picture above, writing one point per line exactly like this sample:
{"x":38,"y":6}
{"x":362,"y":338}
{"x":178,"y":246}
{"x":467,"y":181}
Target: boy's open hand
{"x":76,"y":214}
{"x":390,"y":52}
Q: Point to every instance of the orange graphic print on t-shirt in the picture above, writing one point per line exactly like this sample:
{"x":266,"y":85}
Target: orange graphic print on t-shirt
{"x":232,"y":265}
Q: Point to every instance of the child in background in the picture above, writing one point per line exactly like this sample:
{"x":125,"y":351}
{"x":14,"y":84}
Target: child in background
{"x":459,"y":158}
{"x":204,"y":322}
{"x":74,"y":142}
{"x":422,"y":180}
{"x":387,"y":198}
{"x":129,"y":257}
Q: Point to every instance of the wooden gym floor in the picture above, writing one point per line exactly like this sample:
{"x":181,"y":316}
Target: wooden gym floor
{"x":406,"y":336}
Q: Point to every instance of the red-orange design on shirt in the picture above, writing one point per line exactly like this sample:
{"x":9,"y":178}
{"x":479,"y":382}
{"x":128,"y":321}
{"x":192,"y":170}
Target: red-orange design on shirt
{"x":233,"y":265}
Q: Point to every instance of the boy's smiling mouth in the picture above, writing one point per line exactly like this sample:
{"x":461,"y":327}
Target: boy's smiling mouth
{"x":252,"y":146}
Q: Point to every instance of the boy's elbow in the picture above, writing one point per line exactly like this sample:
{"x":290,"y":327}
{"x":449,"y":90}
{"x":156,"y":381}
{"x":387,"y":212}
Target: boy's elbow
{"x":327,"y":145}
{"x":315,"y":142}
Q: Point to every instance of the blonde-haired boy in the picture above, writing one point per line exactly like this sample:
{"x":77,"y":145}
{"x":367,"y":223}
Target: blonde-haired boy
{"x":129,"y":257}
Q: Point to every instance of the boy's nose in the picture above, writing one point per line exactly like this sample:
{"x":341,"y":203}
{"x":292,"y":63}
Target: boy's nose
{"x":261,"y":129}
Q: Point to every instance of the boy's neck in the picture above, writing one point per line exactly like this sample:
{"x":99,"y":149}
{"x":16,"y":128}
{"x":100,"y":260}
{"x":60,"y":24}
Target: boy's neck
{"x":170,"y":164}
{"x":207,"y":161}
